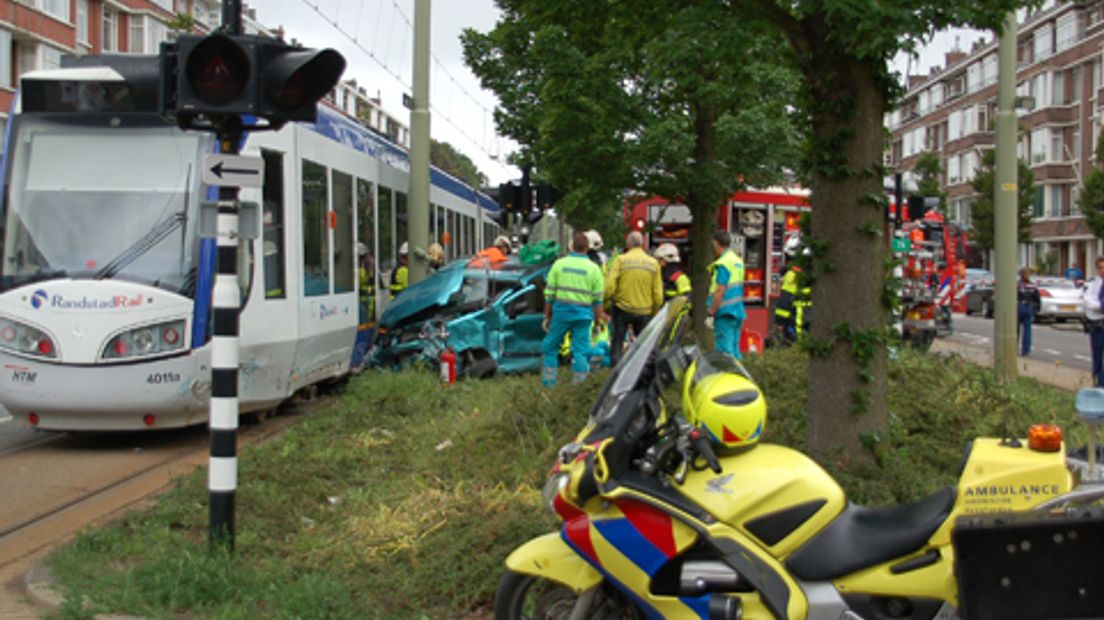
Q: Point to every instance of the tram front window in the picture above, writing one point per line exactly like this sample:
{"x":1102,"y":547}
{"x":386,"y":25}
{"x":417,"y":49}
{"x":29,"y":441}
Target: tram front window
{"x":101,"y":202}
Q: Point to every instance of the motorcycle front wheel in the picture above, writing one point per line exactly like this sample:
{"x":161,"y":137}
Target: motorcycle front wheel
{"x":525,"y":597}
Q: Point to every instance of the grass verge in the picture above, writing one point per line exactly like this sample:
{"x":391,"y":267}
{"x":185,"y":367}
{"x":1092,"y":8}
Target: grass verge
{"x":403,"y":499}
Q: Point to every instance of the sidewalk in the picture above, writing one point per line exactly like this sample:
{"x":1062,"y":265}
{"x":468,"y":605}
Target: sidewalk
{"x":1059,"y":376}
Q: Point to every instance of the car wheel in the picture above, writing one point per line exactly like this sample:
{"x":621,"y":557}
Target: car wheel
{"x":987,"y":308}
{"x":478,"y":364}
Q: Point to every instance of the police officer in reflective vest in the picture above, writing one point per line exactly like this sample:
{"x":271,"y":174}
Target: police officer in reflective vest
{"x":573,"y":302}
{"x":634,"y":289}
{"x":725,"y":304}
{"x":400,"y":276}
{"x":675,"y":282}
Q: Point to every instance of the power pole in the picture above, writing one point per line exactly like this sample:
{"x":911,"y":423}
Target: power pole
{"x":1006,"y":207}
{"x":419,"y":146}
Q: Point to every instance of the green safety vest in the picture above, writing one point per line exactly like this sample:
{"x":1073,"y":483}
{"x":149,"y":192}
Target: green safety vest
{"x":732,"y":303}
{"x":576,"y":281}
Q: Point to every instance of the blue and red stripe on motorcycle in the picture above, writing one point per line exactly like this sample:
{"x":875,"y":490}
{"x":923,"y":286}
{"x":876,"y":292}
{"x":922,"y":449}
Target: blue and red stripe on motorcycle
{"x":628,"y":542}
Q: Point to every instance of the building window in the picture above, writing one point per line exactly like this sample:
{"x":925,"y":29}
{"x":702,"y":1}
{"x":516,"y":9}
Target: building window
{"x":165,"y":4}
{"x":51,"y":57}
{"x":1075,"y":200}
{"x":1067,"y":31}
{"x":1057,"y":150}
{"x":1076,"y":146}
{"x":5,"y":58}
{"x":1038,"y":146}
{"x":82,"y":21}
{"x":55,"y":8}
{"x":1058,"y":88}
{"x":953,"y":174}
{"x":1044,"y":41}
{"x":1057,"y":203}
{"x":156,"y":34}
{"x":137,"y":41}
{"x":110,"y":30}
{"x":316,"y":232}
{"x":1040,"y":201}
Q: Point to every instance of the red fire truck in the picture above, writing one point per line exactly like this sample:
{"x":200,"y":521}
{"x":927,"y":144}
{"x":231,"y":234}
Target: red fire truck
{"x":760,"y":222}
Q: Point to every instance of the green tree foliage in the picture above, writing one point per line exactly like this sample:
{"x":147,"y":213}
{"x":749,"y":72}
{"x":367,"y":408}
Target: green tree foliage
{"x":842,"y":49}
{"x":982,"y":224}
{"x":1091,"y":201}
{"x":447,"y":158}
{"x":928,"y":173}
{"x":680,"y":98}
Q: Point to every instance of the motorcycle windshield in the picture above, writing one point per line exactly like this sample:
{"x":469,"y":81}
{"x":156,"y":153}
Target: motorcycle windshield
{"x":636,"y":360}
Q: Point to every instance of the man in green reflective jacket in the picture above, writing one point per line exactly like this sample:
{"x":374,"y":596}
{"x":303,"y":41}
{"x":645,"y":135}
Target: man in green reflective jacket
{"x":573,"y":302}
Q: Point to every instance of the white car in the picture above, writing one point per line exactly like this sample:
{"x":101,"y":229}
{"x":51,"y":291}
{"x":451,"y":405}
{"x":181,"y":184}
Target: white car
{"x":1060,"y":299}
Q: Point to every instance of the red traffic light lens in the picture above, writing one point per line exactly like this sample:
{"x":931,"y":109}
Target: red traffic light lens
{"x":217,"y":70}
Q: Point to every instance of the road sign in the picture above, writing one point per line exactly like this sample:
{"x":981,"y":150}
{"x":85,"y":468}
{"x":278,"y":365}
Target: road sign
{"x":233,"y":170}
{"x":901,"y":246}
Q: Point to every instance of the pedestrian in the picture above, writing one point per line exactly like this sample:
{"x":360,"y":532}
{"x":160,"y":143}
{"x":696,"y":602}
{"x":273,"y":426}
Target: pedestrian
{"x":1075,"y":274}
{"x":725,"y":304}
{"x":1027,"y":304}
{"x":675,"y":282}
{"x":634,"y":290}
{"x":435,"y":256}
{"x":400,"y":275}
{"x":1093,"y":296}
{"x":573,"y":303}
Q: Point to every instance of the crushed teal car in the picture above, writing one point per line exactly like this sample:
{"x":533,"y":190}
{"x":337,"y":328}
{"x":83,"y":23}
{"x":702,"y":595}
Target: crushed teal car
{"x":490,"y":317}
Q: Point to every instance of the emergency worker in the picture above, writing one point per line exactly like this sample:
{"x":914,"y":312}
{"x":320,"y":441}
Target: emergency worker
{"x":791,"y":309}
{"x":725,"y":304}
{"x":366,"y":273}
{"x":594,"y":249}
{"x":573,"y":302}
{"x":400,"y":275}
{"x":675,"y":282}
{"x":435,"y":256}
{"x":494,"y":256}
{"x":634,"y":290}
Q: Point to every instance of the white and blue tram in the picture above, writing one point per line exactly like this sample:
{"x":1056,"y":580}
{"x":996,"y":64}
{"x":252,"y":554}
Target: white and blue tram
{"x":105,"y":285}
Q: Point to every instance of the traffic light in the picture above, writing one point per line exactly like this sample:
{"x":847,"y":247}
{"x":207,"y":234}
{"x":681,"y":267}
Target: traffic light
{"x":223,"y":75}
{"x":547,"y":196}
{"x":510,"y":198}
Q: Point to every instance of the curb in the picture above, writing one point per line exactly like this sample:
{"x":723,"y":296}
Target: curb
{"x":38,"y":583}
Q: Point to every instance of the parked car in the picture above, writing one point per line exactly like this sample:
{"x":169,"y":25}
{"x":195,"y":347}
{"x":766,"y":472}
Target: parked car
{"x":974,"y":277}
{"x":490,"y":317}
{"x":979,"y":298}
{"x":1061,"y":300}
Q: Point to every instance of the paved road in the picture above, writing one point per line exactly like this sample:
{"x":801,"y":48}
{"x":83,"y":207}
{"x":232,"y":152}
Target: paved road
{"x":1064,"y":343}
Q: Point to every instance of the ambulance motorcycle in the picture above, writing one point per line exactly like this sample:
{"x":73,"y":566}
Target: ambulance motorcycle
{"x":681,"y":513}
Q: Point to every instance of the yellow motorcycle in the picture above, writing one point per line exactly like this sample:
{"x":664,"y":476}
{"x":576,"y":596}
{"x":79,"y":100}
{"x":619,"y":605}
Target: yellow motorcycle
{"x":671,"y":508}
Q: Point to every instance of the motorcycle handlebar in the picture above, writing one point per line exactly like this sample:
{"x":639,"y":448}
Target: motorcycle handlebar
{"x":704,"y":447}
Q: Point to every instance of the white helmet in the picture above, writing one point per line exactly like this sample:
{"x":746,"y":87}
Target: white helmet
{"x":502,"y":241}
{"x":362,"y":250}
{"x":667,"y":252}
{"x":792,"y":245}
{"x":594,"y":238}
{"x":404,"y":249}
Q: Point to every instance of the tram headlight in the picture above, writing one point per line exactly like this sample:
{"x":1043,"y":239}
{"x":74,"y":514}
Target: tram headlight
{"x":145,"y":340}
{"x":22,"y":338}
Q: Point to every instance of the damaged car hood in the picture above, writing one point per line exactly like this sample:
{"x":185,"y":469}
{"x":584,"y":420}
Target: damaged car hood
{"x":432,"y":292}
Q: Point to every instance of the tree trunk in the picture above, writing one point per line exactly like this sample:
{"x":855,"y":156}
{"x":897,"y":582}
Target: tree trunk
{"x":703,"y":201}
{"x":847,"y":397}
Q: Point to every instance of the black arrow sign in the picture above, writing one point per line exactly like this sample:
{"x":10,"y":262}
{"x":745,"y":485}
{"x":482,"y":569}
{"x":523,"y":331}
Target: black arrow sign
{"x":218,"y":170}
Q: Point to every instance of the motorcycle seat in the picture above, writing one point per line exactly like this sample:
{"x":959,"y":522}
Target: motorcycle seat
{"x":863,"y":537}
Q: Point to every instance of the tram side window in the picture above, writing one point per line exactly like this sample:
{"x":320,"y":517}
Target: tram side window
{"x":386,"y":236}
{"x":366,"y":215}
{"x":316,"y":235}
{"x":344,"y":250}
{"x":454,"y":251}
{"x":402,"y":219}
{"x":469,"y":228}
{"x":273,"y":240}
{"x":439,"y":227}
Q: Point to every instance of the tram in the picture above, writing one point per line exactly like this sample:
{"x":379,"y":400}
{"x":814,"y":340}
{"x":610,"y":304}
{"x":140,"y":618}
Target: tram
{"x":105,"y":283}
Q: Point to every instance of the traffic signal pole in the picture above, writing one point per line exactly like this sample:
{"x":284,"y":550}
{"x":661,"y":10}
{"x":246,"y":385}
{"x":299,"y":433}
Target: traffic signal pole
{"x":419,"y":146}
{"x":1006,"y":207}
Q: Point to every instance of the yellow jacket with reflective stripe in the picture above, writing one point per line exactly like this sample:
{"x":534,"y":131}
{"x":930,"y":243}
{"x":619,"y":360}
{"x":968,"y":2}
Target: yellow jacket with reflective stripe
{"x":732,"y":304}
{"x":400,"y":278}
{"x":574,"y":280}
{"x":634,"y":283}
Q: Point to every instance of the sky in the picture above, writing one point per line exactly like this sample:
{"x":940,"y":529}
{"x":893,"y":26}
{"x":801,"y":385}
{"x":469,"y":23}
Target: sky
{"x":461,"y":110}
{"x":377,"y":42}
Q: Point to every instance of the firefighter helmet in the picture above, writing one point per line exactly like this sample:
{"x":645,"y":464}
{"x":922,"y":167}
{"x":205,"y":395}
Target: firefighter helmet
{"x":667,"y":252}
{"x":594,"y":238}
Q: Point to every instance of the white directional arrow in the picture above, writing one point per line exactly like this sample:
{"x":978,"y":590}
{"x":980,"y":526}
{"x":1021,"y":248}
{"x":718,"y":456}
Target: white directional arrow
{"x":233,"y":171}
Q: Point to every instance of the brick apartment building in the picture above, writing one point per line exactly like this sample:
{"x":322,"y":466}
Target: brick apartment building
{"x":952,"y":111}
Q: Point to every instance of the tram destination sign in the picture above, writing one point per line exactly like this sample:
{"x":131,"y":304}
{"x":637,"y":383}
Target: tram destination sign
{"x":233,"y":170}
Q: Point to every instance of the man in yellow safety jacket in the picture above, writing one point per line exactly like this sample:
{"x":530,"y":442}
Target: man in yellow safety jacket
{"x":366,"y":273}
{"x":634,"y":289}
{"x":573,"y":301}
{"x":725,"y":304}
{"x":675,"y":282}
{"x":400,"y":276}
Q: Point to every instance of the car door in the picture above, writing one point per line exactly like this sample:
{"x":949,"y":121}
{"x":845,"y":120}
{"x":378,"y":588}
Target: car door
{"x":521,"y":314}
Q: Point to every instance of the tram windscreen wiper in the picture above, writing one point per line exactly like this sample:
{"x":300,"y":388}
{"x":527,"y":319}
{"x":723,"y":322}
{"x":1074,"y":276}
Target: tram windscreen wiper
{"x":156,"y":235}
